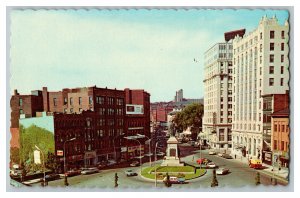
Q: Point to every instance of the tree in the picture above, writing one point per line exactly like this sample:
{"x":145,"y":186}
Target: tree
{"x":51,"y":162}
{"x":14,"y":155}
{"x":29,"y":137}
{"x":190,"y":116}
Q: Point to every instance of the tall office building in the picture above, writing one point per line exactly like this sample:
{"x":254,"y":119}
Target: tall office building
{"x":260,"y":68}
{"x":218,"y":96}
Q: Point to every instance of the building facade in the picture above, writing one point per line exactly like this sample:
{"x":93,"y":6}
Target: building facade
{"x":99,"y":119}
{"x":218,"y":81}
{"x":260,"y":67}
{"x":280,"y":140}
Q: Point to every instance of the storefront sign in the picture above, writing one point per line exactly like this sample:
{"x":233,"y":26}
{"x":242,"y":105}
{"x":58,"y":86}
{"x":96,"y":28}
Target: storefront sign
{"x":37,"y":157}
{"x":134,"y":109}
{"x":60,"y":153}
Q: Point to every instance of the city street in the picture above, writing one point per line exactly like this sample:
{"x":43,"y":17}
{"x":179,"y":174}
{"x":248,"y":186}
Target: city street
{"x":240,"y":175}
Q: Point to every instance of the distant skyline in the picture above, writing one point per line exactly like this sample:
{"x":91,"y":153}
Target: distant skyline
{"x":160,"y":51}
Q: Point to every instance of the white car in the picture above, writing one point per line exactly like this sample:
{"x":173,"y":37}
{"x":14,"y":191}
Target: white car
{"x":222,"y":171}
{"x":212,"y":153}
{"x":87,"y":171}
{"x":160,"y":154}
{"x":220,"y":154}
{"x":211,"y":165}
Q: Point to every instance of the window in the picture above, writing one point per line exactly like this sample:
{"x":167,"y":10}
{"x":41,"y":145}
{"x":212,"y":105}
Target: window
{"x":271,"y":46}
{"x":80,"y":109}
{"x":275,"y":145}
{"x":221,"y":113}
{"x":229,"y":92}
{"x":229,"y":106}
{"x":100,"y":100}
{"x":71,"y":101}
{"x":281,"y":69}
{"x":260,"y":59}
{"x":282,"y":46}
{"x":230,"y":71}
{"x":282,"y":34}
{"x":281,"y":81}
{"x":271,"y":81}
{"x":221,"y":120}
{"x":272,"y":34}
{"x":20,"y":102}
{"x":282,"y":58}
{"x":282,"y":128}
{"x":275,"y":127}
{"x":65,"y":101}
{"x":260,"y":35}
{"x":229,"y":99}
{"x":221,"y":135}
{"x":271,"y":58}
{"x":260,"y":48}
{"x":221,"y":106}
{"x":221,"y":99}
{"x":90,"y":100}
{"x":55,"y":102}
{"x":21,"y":111}
{"x":271,"y":70}
{"x":80,"y":100}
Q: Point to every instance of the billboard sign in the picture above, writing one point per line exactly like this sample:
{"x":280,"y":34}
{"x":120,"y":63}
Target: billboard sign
{"x":134,"y":109}
{"x":37,"y":157}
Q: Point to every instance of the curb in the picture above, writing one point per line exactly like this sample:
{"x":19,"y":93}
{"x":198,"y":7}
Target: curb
{"x":275,"y":176}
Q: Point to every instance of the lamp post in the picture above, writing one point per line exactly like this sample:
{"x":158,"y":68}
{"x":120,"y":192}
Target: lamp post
{"x":200,"y":151}
{"x":66,"y":180}
{"x":149,"y":139}
{"x":44,"y":180}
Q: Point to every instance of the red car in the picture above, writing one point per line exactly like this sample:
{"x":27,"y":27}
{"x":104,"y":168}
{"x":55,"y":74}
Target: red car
{"x":203,"y":161}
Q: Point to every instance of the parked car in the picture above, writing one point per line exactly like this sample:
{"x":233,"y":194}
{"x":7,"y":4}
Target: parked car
{"x":51,"y":177}
{"x":160,"y":154}
{"x":212,"y":153}
{"x":222,"y":171}
{"x":72,"y":173}
{"x":211,"y":165}
{"x":130,"y":173}
{"x":203,"y":161}
{"x":255,"y":163}
{"x":226,"y":156}
{"x":111,"y":162}
{"x":102,"y":164}
{"x":175,"y":180}
{"x":135,"y":163}
{"x":220,"y":154}
{"x":86,"y":171}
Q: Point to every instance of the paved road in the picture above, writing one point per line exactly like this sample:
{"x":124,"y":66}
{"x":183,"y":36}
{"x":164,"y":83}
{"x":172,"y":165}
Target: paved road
{"x":240,"y":175}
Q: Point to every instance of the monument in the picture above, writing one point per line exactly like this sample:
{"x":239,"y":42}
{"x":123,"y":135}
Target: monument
{"x":172,"y":158}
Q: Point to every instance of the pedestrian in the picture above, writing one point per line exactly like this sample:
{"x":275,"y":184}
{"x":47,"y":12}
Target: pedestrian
{"x":193,"y":158}
{"x":234,"y":156}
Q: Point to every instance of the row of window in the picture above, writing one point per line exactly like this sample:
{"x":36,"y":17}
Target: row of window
{"x":99,"y":100}
{"x":281,"y":128}
{"x":280,"y":145}
{"x":271,"y":81}
{"x":271,"y":70}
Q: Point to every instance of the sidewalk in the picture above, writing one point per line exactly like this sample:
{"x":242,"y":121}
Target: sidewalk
{"x":280,"y":174}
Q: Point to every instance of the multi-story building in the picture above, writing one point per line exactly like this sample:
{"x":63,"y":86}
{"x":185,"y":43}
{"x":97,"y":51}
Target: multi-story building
{"x":260,"y":67}
{"x":280,"y":139}
{"x":99,"y":118}
{"x":218,"y":81}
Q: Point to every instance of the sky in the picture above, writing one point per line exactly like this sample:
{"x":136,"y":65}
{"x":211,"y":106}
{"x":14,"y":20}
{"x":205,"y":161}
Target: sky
{"x":152,"y":50}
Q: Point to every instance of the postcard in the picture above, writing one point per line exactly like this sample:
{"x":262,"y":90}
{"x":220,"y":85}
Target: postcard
{"x":154,"y":99}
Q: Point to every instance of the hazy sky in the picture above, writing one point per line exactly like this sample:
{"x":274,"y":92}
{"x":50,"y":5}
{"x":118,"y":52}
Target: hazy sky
{"x":139,"y":49}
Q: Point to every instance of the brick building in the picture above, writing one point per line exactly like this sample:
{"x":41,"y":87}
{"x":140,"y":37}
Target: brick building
{"x":99,"y":118}
{"x":280,"y":139}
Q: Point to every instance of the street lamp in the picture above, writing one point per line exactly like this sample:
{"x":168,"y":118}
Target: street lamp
{"x":66,"y":180}
{"x":131,"y":138}
{"x":149,"y":139}
{"x":44,"y":180}
{"x":115,"y":145}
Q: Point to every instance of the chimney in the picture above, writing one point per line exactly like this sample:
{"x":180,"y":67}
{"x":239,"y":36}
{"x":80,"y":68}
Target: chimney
{"x":16,"y":92}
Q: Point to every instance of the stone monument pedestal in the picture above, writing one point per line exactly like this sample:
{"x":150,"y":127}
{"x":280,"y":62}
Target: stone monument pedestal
{"x":172,"y":158}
